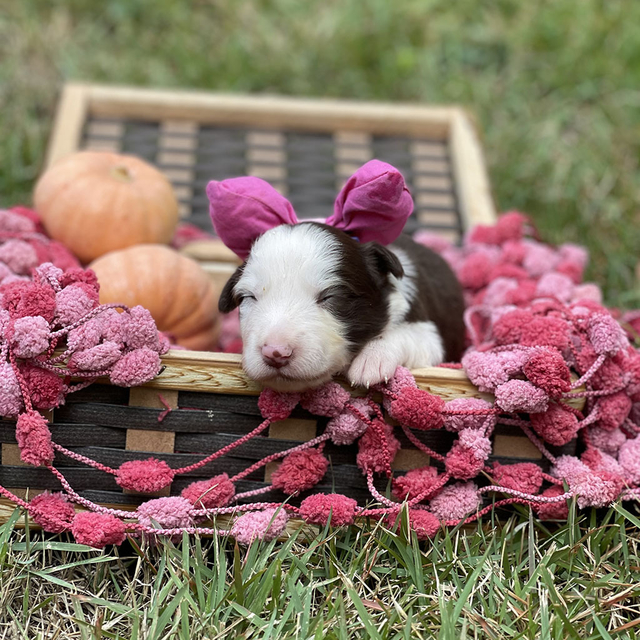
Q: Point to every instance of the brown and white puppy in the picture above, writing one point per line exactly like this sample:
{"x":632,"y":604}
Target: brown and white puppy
{"x":315,"y":302}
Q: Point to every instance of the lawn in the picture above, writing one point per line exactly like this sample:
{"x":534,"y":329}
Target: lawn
{"x":555,"y":89}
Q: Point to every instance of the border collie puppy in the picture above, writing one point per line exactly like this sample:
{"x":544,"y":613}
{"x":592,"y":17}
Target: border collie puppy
{"x":314,"y":302}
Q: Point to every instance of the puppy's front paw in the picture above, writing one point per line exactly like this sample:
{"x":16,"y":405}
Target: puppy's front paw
{"x":376,"y":363}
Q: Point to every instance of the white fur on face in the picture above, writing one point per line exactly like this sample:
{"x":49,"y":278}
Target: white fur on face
{"x":288,"y":270}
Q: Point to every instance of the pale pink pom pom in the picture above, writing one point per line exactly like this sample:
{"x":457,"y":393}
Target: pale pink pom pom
{"x":208,"y":494}
{"x":456,"y":501}
{"x":588,"y":291}
{"x":629,"y":459}
{"x":495,"y":294}
{"x":276,"y":405}
{"x":568,"y":468}
{"x":259,"y":525}
{"x":10,"y":393}
{"x":457,"y":421}
{"x":98,"y":529}
{"x":519,"y":395}
{"x":539,"y":259}
{"x":485,"y":370}
{"x":15,"y":223}
{"x":596,"y":489}
{"x":72,"y":303}
{"x":574,"y":253}
{"x":136,"y":367}
{"x":327,"y":400}
{"x":347,"y":427}
{"x":166,"y":513}
{"x":88,"y":334}
{"x":606,"y":440}
{"x":322,"y":507}
{"x":97,"y":358}
{"x":606,"y":335}
{"x":19,"y":256}
{"x":30,"y":336}
{"x":555,"y":285}
{"x":141,"y":330}
{"x":476,"y":441}
{"x":432,"y":240}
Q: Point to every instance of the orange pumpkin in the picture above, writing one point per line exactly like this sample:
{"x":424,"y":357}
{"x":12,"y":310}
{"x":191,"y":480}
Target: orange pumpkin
{"x":95,"y":202}
{"x":179,"y":294}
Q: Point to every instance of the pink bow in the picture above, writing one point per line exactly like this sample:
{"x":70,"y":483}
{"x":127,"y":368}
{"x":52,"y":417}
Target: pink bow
{"x":374,"y":204}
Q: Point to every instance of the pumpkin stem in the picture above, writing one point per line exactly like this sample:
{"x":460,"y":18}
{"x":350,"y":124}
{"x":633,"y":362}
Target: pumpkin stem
{"x":122,"y":173}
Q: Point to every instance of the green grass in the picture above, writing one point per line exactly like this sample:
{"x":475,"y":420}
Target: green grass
{"x":555,"y":88}
{"x":516,"y":579}
{"x":554,"y":85}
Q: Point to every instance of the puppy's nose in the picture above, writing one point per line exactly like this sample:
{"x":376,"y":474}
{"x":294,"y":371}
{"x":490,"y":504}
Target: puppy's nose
{"x":276,"y":355}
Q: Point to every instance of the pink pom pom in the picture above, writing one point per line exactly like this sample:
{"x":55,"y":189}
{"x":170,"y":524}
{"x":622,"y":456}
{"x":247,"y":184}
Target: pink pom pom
{"x":596,"y":489}
{"x":508,"y":329}
{"x":588,"y":292}
{"x":418,"y":409}
{"x":259,"y":525}
{"x":46,"y":389}
{"x":574,"y":253}
{"x":416,"y":482}
{"x":136,"y":367}
{"x":76,"y":274}
{"x":169,"y":513}
{"x":34,"y":439}
{"x":476,"y":441}
{"x":553,"y":510}
{"x":72,"y":304}
{"x":605,"y":440}
{"x":524,"y":294}
{"x":209,"y":494}
{"x":141,"y":330}
{"x":424,"y":523}
{"x":522,"y":476}
{"x":568,"y":468}
{"x":462,"y":463}
{"x":605,"y":334}
{"x":511,"y":226}
{"x":555,"y":285}
{"x":548,"y":370}
{"x":29,"y":336}
{"x":347,"y":427}
{"x":19,"y":256}
{"x":371,"y":448}
{"x":613,"y":410}
{"x":556,"y":425}
{"x":98,"y":529}
{"x":52,"y":511}
{"x":98,"y":358}
{"x":572,"y":271}
{"x":431,"y":240}
{"x":629,"y":459}
{"x":475,"y":270}
{"x":144,"y":476}
{"x":498,"y":289}
{"x":15,"y":223}
{"x":300,"y":471}
{"x":519,"y":395}
{"x":402,"y":379}
{"x":485,"y":370}
{"x":29,"y":299}
{"x":539,"y":259}
{"x":599,"y":461}
{"x":456,"y":501}
{"x":275,"y":405}
{"x":546,"y":331}
{"x":458,"y":421}
{"x":10,"y":393}
{"x":327,"y":400}
{"x":48,"y":274}
{"x":322,"y":507}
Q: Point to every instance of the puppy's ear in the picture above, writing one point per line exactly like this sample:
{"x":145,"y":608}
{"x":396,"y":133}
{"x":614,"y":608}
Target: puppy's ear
{"x":228,"y":300}
{"x":380,"y":261}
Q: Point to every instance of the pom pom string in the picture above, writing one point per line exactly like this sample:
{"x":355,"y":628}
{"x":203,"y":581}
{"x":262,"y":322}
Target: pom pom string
{"x":534,"y":440}
{"x":376,"y":494}
{"x":418,"y":444}
{"x":377,"y":427}
{"x":591,"y":371}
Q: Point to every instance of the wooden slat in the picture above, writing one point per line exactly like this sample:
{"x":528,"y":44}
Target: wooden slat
{"x":271,"y":112}
{"x":470,"y":173}
{"x":69,"y":121}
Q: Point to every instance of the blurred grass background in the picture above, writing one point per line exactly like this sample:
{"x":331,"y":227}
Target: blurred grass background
{"x":555,"y":86}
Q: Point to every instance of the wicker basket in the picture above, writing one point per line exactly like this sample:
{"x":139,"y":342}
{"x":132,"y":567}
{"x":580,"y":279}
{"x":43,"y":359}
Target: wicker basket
{"x":306,"y":149}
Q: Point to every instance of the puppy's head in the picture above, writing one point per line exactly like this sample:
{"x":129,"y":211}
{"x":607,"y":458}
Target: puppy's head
{"x":310,"y":297}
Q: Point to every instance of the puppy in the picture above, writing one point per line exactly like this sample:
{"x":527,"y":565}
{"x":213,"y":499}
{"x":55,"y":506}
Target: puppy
{"x":315,"y":302}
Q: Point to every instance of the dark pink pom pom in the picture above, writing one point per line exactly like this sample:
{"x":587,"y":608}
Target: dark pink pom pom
{"x":522,"y":476}
{"x":372,"y":450}
{"x":320,"y":507}
{"x":52,"y":511}
{"x":416,"y":482}
{"x":275,"y":405}
{"x":463,"y":463}
{"x":418,"y":409}
{"x":556,"y":425}
{"x":98,"y":529}
{"x":553,"y":510}
{"x":208,"y":494}
{"x":548,"y":370}
{"x":546,"y":331}
{"x":144,"y":476}
{"x":300,"y":471}
{"x":613,"y":410}
{"x":46,"y":389}
{"x":29,"y":299}
{"x":34,"y":439}
{"x":424,"y":523}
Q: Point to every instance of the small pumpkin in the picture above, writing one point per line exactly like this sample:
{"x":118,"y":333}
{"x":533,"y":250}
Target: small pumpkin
{"x":95,"y":202}
{"x":176,"y":290}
